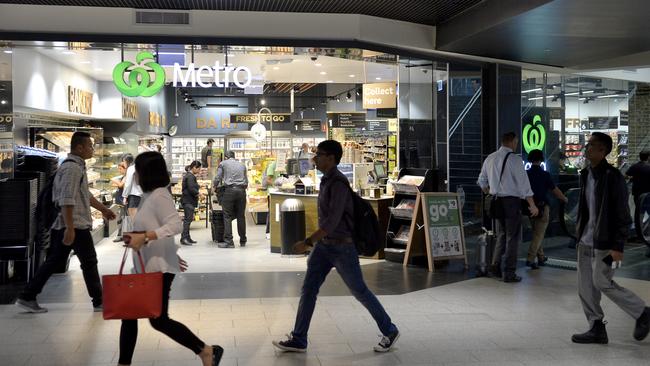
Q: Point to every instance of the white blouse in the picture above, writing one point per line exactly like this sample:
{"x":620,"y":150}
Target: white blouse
{"x":158,"y":213}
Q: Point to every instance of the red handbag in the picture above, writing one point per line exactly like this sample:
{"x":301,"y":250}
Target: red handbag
{"x":132,"y":296}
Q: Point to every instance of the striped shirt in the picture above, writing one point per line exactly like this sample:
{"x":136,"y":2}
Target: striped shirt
{"x":71,"y":189}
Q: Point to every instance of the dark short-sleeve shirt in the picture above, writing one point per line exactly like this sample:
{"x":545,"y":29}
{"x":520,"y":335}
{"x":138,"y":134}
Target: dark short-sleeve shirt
{"x":540,"y":182}
{"x":640,"y":173}
{"x":206,"y":154}
{"x":335,"y":206}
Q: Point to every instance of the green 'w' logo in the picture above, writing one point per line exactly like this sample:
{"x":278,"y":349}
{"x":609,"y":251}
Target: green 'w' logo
{"x":139,"y":80}
{"x":534,"y":136}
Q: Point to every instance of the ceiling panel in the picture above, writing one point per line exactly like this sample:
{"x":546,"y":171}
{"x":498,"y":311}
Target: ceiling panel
{"x":429,"y":12}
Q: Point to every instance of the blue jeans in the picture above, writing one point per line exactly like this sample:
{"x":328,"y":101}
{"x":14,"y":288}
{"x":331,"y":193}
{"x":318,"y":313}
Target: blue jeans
{"x":345,"y":259}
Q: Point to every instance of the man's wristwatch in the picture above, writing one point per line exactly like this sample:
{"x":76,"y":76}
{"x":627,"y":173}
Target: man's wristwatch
{"x":308,"y":242}
{"x":146,"y":238}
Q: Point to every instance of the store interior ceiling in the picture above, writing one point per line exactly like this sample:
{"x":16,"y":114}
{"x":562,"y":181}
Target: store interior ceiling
{"x":584,"y":88}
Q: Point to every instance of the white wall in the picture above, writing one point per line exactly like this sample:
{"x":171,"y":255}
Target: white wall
{"x":40,"y":82}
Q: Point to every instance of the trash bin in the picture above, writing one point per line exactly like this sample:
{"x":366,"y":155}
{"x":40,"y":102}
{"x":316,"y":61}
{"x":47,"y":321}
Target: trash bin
{"x":292,"y":224}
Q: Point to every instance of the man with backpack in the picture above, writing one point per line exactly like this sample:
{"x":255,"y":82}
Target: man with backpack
{"x":72,"y":226}
{"x":333,"y":245}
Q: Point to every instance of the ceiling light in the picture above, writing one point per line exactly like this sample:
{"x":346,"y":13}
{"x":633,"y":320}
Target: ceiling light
{"x":330,"y":81}
{"x":338,"y":99}
{"x":276,"y":68}
{"x":348,"y":95}
{"x":318,"y":64}
{"x":358,"y":91}
{"x":587,"y":92}
{"x":323,"y":73}
{"x":574,"y":93}
{"x":8,"y":51}
{"x":263,"y":102}
{"x":531,"y":90}
{"x":3,"y":102}
{"x":611,"y":96}
{"x":351,"y":75}
{"x":535,"y":98}
{"x":377,"y":78}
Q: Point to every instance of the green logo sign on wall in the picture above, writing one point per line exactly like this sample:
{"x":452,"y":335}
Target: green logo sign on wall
{"x":140,"y":83}
{"x":534,"y":136}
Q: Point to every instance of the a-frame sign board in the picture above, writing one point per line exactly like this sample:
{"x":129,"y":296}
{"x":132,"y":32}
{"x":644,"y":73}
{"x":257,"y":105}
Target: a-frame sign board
{"x":436,"y":229}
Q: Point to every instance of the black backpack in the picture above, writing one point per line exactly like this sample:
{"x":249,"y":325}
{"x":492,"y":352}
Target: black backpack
{"x":47,"y":210}
{"x":366,"y":226}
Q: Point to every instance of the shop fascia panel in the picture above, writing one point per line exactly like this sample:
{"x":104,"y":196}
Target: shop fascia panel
{"x":71,"y":20}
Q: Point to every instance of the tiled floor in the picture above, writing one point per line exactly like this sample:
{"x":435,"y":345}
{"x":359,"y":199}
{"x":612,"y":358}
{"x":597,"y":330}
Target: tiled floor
{"x":445,"y":318}
{"x":475,"y":322}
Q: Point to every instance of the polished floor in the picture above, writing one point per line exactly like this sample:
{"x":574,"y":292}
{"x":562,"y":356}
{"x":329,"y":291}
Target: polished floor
{"x":243,"y":298}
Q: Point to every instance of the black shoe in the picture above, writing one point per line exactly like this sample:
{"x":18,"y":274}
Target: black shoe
{"x":184,"y":241}
{"x":30,"y":306}
{"x":495,"y":271}
{"x":226,"y":245}
{"x":542,"y":261}
{"x":243,"y":244}
{"x":532,"y":265}
{"x":597,"y":334}
{"x":642,"y":325}
{"x":290,"y":345}
{"x":192,"y":240}
{"x":511,"y":278}
{"x":217,"y":353}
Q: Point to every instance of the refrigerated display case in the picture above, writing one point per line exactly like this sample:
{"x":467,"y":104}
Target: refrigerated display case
{"x":187,"y":149}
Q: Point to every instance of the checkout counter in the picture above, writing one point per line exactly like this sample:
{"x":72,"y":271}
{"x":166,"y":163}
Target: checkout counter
{"x":310,"y":201}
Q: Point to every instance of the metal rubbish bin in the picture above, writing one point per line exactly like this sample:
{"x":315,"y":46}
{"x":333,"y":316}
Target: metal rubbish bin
{"x":292,"y":224}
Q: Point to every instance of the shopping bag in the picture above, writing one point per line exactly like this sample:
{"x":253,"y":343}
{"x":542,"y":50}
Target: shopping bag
{"x":132,"y":296}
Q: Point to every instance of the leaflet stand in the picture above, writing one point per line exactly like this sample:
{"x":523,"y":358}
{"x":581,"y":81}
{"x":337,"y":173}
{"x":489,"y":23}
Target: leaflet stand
{"x":437,"y":229}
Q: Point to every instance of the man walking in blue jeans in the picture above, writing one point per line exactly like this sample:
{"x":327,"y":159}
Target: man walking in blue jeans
{"x":332,"y":246}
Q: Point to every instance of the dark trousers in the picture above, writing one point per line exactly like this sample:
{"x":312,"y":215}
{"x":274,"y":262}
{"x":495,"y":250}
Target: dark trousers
{"x":120,"y":218}
{"x":234,"y":208}
{"x":188,"y":210}
{"x":640,"y":209}
{"x":345,"y":259}
{"x":508,"y":231}
{"x":58,"y":253}
{"x":173,"y":329}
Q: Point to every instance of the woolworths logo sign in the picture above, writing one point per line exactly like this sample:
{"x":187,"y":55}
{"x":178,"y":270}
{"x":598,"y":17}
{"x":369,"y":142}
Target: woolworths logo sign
{"x":147,"y":77}
{"x":534,"y":136}
{"x":142,"y":80}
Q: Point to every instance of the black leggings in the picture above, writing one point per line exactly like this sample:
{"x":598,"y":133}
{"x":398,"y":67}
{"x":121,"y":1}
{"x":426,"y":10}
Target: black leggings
{"x":163,"y":324}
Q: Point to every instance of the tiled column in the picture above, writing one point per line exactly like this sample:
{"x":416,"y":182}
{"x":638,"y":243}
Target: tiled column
{"x":639,"y":128}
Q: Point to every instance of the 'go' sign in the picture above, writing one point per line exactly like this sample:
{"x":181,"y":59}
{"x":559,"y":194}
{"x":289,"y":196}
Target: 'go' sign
{"x":437,"y":211}
{"x":534,"y":136}
{"x":140,"y":83}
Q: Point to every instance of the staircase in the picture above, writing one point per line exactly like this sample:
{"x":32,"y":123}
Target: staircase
{"x":465,"y":150}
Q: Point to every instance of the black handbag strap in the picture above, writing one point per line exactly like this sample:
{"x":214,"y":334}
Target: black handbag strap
{"x":503,"y":168}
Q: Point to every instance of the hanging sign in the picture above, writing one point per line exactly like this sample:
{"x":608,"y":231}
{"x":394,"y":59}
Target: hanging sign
{"x":378,"y":125}
{"x":307,"y":125}
{"x":379,"y":95}
{"x":602,"y":123}
{"x":80,"y":101}
{"x":265,"y":118}
{"x":347,"y":120}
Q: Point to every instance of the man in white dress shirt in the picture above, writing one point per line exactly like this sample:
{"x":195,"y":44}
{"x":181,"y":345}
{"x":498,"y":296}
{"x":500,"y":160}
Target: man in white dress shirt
{"x":509,"y":183}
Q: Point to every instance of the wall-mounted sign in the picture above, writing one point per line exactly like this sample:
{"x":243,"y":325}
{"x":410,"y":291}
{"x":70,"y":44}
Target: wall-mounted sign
{"x":602,"y":123}
{"x":129,"y":109}
{"x":534,"y":135}
{"x":307,"y":125}
{"x":80,"y":101}
{"x":379,"y":95}
{"x":624,"y":118}
{"x":572,"y":124}
{"x":208,"y":123}
{"x":147,"y":77}
{"x":156,"y":119}
{"x":266,"y":118}
{"x":346,"y":120}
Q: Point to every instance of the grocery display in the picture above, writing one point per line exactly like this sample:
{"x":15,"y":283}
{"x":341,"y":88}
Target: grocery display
{"x":184,"y":150}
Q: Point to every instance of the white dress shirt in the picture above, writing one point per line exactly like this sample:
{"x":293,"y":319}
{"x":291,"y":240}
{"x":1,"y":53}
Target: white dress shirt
{"x":513,"y":183}
{"x":158,"y":213}
{"x":131,"y":187}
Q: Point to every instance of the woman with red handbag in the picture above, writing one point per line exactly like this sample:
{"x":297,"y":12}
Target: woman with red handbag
{"x":154,"y":228}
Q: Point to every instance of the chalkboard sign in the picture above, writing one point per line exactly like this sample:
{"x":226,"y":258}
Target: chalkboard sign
{"x":625,"y":117}
{"x":437,"y":228}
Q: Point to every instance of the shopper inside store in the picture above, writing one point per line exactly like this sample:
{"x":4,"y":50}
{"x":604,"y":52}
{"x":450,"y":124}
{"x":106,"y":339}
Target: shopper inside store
{"x":324,"y":183}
